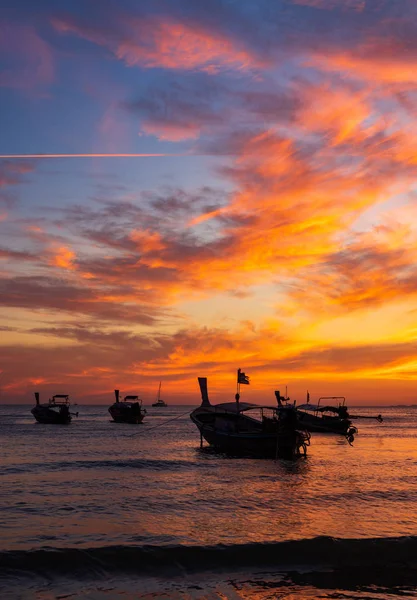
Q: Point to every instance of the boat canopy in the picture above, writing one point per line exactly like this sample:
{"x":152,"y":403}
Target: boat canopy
{"x":241,"y":407}
{"x":311,"y":407}
{"x":131,"y":397}
{"x":317,"y":408}
{"x":59,"y":399}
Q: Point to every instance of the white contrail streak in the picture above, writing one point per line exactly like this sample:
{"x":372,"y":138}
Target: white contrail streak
{"x":125,"y":155}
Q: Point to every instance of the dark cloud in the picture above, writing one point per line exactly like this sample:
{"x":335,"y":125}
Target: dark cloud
{"x":53,"y":294}
{"x":17,"y":255}
{"x":88,"y":334}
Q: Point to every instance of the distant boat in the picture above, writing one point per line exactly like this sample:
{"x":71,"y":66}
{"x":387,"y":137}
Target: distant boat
{"x":241,"y":428}
{"x":159,"y":401}
{"x":56,"y":411}
{"x":128,"y":410}
{"x":327,"y":417}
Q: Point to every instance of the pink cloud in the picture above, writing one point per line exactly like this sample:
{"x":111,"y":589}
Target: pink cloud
{"x":170,"y":131}
{"x":12,"y":171}
{"x":167,"y":43}
{"x":28,"y":59}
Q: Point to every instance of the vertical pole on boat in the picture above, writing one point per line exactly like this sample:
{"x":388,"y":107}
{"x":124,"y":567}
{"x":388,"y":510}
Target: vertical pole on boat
{"x":37,"y":398}
{"x":237,"y":396}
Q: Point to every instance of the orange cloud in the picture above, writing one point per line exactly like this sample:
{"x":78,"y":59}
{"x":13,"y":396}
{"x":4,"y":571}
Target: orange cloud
{"x":63,"y":258}
{"x":341,"y":112}
{"x":135,"y":361}
{"x":147,"y":241}
{"x":376,"y":62}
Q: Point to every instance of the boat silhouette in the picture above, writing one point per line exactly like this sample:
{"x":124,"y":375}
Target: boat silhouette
{"x":56,"y":411}
{"x":128,"y":410}
{"x":241,"y":428}
{"x":159,"y":402}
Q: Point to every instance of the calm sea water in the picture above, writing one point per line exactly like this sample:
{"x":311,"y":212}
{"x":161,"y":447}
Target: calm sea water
{"x":103,"y":510}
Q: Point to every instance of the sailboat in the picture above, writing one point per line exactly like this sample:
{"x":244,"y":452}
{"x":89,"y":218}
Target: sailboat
{"x":159,"y":401}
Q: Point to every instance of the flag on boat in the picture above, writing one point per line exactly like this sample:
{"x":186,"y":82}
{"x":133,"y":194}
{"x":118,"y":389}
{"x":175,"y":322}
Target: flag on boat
{"x":242,"y":378}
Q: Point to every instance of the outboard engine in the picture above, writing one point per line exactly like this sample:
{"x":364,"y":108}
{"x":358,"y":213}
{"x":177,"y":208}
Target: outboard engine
{"x":350,"y":436}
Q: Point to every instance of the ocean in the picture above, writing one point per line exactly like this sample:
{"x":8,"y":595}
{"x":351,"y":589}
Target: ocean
{"x":98,"y":510}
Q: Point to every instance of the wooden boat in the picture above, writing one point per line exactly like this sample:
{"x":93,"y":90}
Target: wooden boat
{"x":159,"y":402}
{"x":327,"y":417}
{"x":128,"y":410}
{"x":241,"y":428}
{"x":56,"y":411}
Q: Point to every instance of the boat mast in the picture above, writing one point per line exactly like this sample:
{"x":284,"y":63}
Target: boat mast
{"x":241,"y":378}
{"x":158,"y":397}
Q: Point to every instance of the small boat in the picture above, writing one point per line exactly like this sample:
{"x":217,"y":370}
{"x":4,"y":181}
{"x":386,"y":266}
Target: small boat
{"x":241,"y":428}
{"x":128,"y":410}
{"x":56,"y":411}
{"x":327,"y":417}
{"x":159,"y":401}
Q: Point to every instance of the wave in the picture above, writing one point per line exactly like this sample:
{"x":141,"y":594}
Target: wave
{"x":116,"y":463}
{"x":311,"y":554}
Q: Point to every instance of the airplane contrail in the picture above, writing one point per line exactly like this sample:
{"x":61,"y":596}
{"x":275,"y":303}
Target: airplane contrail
{"x":125,"y":155}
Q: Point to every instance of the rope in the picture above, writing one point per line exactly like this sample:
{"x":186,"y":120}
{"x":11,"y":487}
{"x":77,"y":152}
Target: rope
{"x":161,"y":424}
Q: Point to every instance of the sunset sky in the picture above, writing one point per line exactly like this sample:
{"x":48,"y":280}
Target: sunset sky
{"x":268,"y":220}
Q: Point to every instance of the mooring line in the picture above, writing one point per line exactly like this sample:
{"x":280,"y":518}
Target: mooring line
{"x":161,"y":424}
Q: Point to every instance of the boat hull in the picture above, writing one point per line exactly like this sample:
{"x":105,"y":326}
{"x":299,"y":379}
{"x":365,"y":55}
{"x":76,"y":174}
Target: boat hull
{"x":49,"y":416}
{"x":323,"y":424}
{"x":254,"y":443}
{"x":133,"y":415}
